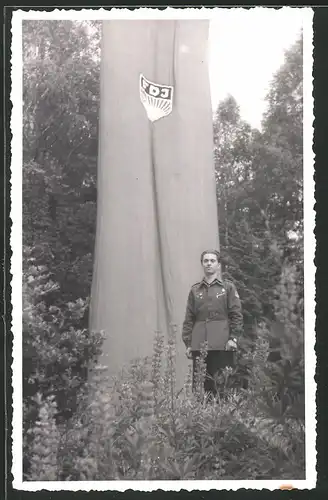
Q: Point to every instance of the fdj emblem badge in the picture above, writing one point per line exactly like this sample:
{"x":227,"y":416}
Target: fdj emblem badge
{"x":157,"y":99}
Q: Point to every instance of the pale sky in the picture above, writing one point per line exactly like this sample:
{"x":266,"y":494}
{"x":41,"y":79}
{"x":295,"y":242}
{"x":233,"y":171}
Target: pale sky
{"x":246,"y":48}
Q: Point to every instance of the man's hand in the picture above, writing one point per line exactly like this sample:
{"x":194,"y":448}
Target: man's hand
{"x":188,"y":353}
{"x":231,"y":345}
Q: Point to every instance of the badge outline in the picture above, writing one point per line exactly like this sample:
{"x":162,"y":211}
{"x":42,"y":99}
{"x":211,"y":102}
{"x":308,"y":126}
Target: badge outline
{"x":156,"y":107}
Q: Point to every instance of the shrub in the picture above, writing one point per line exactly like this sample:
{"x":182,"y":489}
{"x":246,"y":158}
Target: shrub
{"x":140,"y":426}
{"x":137,"y":428}
{"x":56,"y":351}
{"x":44,"y":443}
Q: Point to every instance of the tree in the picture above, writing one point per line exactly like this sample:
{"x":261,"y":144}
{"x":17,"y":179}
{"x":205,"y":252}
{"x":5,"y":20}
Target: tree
{"x":259,"y":186}
{"x":60,"y":121}
{"x":61,"y":94}
{"x":282,"y":148}
{"x":233,"y":153}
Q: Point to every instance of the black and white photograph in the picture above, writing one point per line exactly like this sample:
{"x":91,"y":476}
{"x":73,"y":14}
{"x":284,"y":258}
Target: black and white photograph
{"x":163,"y":277}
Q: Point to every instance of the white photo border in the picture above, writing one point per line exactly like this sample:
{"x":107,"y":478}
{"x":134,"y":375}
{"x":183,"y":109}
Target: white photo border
{"x":16,"y":262}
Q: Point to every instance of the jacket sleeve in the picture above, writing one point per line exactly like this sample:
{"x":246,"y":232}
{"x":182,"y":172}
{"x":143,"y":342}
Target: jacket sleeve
{"x":235,"y":314}
{"x":189,"y":320}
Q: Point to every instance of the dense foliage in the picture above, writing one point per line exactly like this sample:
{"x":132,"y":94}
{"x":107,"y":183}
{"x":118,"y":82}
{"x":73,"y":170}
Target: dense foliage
{"x":259,"y":185}
{"x":61,"y":99}
{"x":142,"y":428}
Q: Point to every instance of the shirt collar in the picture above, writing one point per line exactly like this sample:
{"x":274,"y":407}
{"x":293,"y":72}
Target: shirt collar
{"x":217,"y":281}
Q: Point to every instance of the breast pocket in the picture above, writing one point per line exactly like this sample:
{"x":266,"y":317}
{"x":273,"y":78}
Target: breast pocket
{"x":200,"y":301}
{"x":219,"y":303}
{"x":199,"y":296}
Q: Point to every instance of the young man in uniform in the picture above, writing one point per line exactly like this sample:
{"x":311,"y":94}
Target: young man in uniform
{"x":213,"y":315}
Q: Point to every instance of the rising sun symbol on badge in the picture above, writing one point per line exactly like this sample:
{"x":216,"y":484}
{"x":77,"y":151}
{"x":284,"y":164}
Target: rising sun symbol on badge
{"x":157,"y":99}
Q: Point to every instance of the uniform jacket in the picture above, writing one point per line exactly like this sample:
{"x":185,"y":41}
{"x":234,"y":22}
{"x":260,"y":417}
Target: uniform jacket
{"x":213,"y":314}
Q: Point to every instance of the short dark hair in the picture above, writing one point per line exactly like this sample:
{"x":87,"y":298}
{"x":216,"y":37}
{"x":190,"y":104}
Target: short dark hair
{"x":214,"y":252}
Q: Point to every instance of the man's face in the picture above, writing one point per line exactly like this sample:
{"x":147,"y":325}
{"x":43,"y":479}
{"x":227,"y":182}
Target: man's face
{"x":210,"y":263}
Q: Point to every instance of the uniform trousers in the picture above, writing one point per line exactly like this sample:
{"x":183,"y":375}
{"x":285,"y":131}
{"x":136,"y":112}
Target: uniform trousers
{"x":215,"y":362}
